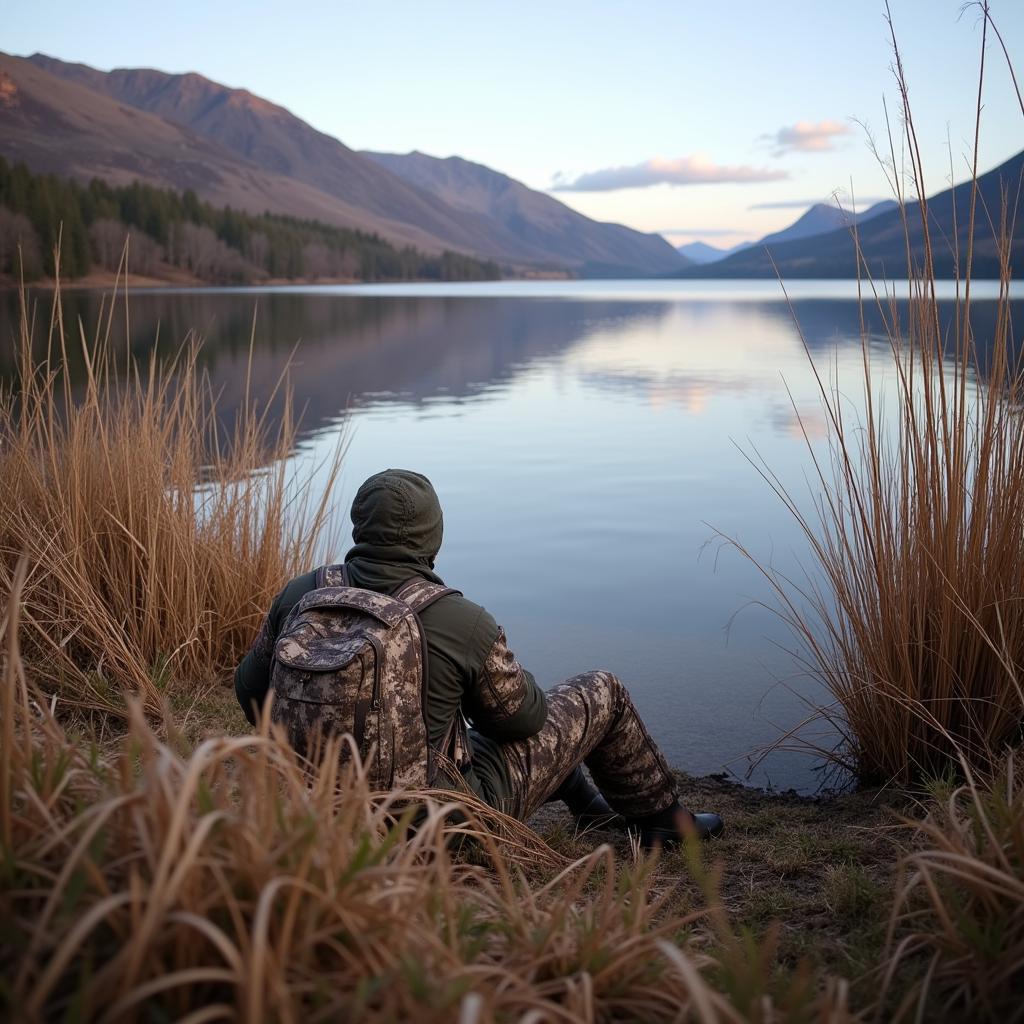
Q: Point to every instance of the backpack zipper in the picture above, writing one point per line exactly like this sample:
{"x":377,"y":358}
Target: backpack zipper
{"x":378,"y":657}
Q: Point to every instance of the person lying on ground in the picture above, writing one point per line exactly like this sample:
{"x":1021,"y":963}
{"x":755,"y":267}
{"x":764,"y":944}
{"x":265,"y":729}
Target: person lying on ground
{"x":379,"y":648}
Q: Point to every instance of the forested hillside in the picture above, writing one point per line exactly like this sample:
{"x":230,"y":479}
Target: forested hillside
{"x":233,"y":148}
{"x":170,"y":229}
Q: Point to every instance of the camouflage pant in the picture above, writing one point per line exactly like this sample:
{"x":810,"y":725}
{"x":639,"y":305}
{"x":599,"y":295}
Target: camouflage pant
{"x":591,"y":719}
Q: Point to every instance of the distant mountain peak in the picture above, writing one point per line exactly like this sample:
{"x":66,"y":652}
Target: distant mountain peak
{"x":820,"y":218}
{"x":817,"y":219}
{"x":701,"y":252}
{"x":885,"y":233}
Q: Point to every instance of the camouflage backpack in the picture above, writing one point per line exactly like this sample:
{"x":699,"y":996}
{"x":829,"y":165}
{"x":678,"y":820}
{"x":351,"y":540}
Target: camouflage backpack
{"x":354,"y":661}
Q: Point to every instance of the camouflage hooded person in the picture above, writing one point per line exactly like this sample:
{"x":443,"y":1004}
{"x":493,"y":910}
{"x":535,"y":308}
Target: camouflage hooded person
{"x":425,"y":682}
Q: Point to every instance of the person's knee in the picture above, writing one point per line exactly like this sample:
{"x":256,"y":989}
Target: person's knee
{"x":607,"y":684}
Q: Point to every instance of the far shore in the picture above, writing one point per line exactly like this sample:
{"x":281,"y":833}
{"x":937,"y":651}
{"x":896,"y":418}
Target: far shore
{"x":108,"y":281}
{"x":177,"y":278}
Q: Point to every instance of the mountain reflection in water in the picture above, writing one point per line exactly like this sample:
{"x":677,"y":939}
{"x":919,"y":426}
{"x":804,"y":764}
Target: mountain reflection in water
{"x":586,"y":444}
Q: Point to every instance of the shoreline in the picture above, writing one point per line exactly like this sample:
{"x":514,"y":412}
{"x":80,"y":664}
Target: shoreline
{"x":822,"y":870}
{"x":824,"y":288}
{"x":109,"y":280}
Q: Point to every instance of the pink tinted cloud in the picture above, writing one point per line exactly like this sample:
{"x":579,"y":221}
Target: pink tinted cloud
{"x":686,"y":170}
{"x":808,"y":136}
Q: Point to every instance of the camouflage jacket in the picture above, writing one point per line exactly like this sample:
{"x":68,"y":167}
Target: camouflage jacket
{"x":470,"y":668}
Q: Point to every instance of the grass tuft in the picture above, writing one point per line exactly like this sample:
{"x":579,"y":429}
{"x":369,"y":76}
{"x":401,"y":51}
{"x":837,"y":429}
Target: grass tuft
{"x":156,"y":537}
{"x":960,"y":902}
{"x":910,"y":612}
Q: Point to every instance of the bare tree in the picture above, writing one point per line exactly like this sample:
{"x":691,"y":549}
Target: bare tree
{"x":198,"y":248}
{"x":349,"y":264}
{"x":202,"y":252}
{"x":144,"y":253}
{"x":317,"y":260}
{"x":107,"y":237}
{"x":16,"y":231}
{"x":259,"y":249}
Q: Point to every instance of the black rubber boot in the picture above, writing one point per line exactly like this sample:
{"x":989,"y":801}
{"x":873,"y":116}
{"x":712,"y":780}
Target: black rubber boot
{"x":674,"y":825}
{"x":585,"y":803}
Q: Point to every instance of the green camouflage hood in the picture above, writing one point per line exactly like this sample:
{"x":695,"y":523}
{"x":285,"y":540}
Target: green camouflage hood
{"x":396,"y":517}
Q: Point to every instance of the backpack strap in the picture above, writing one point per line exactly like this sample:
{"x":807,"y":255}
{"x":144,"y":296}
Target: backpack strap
{"x":419,"y":593}
{"x":332,"y":576}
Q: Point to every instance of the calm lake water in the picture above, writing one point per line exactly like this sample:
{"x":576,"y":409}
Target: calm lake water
{"x":587,"y":440}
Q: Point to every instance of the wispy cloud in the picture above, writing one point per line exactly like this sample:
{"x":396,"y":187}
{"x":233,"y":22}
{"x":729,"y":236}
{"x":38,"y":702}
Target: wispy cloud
{"x":863,"y":202}
{"x":787,"y":204}
{"x":702,"y":232}
{"x":808,"y":136}
{"x":687,"y":170}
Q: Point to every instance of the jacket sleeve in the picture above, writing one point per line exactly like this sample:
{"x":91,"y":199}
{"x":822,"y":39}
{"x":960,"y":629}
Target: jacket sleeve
{"x":252,"y":677}
{"x":504,"y":701}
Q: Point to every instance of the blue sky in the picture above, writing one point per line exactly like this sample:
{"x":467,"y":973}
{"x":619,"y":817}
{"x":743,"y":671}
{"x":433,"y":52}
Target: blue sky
{"x":694,"y":119}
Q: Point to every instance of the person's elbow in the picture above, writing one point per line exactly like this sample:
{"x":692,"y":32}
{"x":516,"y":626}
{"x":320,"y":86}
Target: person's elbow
{"x":249,"y":700}
{"x":514,"y":720}
{"x":527,"y":722}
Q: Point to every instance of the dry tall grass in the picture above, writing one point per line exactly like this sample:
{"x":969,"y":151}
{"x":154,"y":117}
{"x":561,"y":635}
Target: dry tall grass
{"x":233,"y":883}
{"x":962,"y":905}
{"x":155,"y":539}
{"x":912,"y":613}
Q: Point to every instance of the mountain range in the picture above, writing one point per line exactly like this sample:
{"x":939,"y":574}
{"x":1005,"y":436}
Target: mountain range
{"x":883,"y":233}
{"x":818,"y":219}
{"x":536,"y":219}
{"x":701,"y":252}
{"x":234,"y":148}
